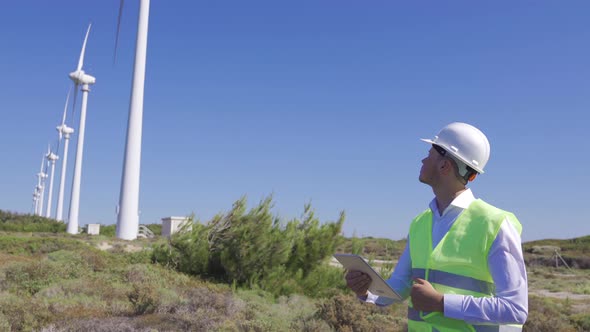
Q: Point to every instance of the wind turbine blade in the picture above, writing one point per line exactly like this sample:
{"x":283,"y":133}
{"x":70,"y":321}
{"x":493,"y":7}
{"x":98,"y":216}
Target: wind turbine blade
{"x":63,"y":118}
{"x":57,"y":144}
{"x":118,"y":29}
{"x":42,"y":164}
{"x":81,"y":61}
{"x":75,"y":96}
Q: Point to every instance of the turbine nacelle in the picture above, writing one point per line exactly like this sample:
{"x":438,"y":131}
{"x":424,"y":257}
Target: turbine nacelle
{"x":52,"y":157}
{"x":80,"y":77}
{"x":64,"y":130}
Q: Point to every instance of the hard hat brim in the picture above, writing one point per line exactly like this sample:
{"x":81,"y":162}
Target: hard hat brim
{"x":427,"y":140}
{"x":477,"y":169}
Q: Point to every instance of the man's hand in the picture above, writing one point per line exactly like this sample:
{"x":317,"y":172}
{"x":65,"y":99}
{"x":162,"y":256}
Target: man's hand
{"x":425,"y":297}
{"x":358,"y":281}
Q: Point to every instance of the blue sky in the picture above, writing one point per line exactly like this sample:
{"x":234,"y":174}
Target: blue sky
{"x":311,"y":101}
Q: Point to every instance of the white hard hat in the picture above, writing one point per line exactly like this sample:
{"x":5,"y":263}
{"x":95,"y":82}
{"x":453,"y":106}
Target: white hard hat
{"x":464,"y":142}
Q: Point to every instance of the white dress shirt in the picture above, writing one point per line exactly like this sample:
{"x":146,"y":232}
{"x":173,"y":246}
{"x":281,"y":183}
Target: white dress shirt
{"x":509,"y":305}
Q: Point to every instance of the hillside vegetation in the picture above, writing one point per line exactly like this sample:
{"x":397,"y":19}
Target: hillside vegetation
{"x":575,"y":252}
{"x":245,"y":270}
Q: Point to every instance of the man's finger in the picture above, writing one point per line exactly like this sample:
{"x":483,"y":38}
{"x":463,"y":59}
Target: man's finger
{"x":354,"y":274}
{"x":353,"y":282}
{"x":419,"y":281}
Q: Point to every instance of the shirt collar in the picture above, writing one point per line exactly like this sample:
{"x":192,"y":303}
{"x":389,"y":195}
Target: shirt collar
{"x":462,"y":202}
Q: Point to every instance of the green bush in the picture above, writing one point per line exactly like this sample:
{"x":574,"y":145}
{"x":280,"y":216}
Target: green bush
{"x":108,"y":230}
{"x":582,"y":321}
{"x":548,"y":315}
{"x":23,"y":313}
{"x":324,"y":281}
{"x":155,"y":228}
{"x":347,"y":313}
{"x":13,"y":222}
{"x":357,"y":245}
{"x":255,"y":249}
{"x":30,"y":278}
{"x":287,"y":313}
{"x":35,"y":246}
{"x":4,"y":323}
{"x":280,"y":283}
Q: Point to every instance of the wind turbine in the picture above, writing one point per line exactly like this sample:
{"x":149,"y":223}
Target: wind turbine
{"x":51,"y":158}
{"x":63,"y":132}
{"x":79,"y":77}
{"x":35,"y":200}
{"x":128,"y":211}
{"x":41,"y":176}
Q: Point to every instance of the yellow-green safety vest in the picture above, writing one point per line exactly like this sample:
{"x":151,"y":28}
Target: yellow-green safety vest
{"x":458,"y":264}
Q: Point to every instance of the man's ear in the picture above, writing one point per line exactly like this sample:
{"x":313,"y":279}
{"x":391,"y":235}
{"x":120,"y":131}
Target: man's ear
{"x":445,"y":166}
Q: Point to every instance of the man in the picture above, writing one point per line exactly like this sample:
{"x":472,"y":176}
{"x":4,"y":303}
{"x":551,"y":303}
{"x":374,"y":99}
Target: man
{"x":462,"y":267}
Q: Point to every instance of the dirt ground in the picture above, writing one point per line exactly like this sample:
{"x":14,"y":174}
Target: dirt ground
{"x":104,"y":245}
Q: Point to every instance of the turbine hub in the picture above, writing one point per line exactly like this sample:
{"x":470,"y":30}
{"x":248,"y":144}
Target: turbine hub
{"x":80,"y":77}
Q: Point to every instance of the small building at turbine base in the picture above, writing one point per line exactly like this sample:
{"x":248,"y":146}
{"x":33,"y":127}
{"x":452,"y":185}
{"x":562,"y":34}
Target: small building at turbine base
{"x":93,"y":229}
{"x":171,"y":225}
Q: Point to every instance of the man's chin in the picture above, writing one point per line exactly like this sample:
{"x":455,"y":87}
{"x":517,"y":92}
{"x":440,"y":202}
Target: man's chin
{"x":422,"y":179}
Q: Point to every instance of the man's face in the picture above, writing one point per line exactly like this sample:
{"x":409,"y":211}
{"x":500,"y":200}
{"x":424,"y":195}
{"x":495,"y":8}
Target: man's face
{"x":429,"y":170}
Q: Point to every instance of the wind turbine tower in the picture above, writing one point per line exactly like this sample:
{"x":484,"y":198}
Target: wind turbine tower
{"x":79,"y":77}
{"x":63,"y":132}
{"x":35,"y":200}
{"x":41,"y":176}
{"x":51,"y":158}
{"x":128,"y":218}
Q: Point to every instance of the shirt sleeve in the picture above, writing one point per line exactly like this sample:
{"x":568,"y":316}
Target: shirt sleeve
{"x":400,"y":280}
{"x":509,"y":305}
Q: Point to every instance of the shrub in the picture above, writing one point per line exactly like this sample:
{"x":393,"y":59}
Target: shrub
{"x":108,"y":230}
{"x":314,"y":243}
{"x":155,"y":228}
{"x":138,"y":257}
{"x":547,"y":315}
{"x":287,"y":313}
{"x":582,"y":321}
{"x":347,"y":313}
{"x":33,"y":246}
{"x":23,"y":313}
{"x":255,"y":249}
{"x":144,"y":298}
{"x":119,"y":324}
{"x":13,"y":222}
{"x":30,"y":278}
{"x":324,"y":281}
{"x":357,"y":245}
{"x":187,"y":252}
{"x":4,"y":323}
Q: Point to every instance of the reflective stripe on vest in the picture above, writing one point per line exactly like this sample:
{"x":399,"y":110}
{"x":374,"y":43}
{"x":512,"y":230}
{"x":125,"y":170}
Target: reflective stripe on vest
{"x":455,"y":280}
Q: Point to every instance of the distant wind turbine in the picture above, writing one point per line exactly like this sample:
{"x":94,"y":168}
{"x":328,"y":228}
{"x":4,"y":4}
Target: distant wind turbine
{"x":128,"y":211}
{"x":63,"y":132}
{"x":38,"y":203}
{"x":51,"y":158}
{"x":41,"y":176}
{"x":35,"y":200}
{"x":79,"y":77}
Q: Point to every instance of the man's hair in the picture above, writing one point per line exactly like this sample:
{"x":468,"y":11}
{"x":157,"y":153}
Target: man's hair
{"x":458,"y":166}
{"x":458,"y":175}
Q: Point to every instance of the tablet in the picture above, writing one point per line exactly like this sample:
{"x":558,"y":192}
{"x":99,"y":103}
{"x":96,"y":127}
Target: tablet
{"x":378,"y":285}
